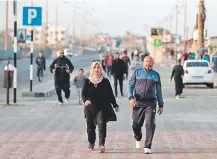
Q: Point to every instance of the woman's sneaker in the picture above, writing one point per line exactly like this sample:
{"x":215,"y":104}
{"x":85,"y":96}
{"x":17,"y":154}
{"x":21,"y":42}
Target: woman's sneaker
{"x":101,"y":149}
{"x":91,"y":147}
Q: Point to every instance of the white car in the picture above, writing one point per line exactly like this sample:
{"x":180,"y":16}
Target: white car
{"x":68,"y":52}
{"x":198,"y":72}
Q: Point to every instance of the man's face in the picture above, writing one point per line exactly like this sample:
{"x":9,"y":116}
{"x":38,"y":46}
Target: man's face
{"x":117,"y":56}
{"x":136,"y":57}
{"x":61,"y":52}
{"x":40,"y":54}
{"x":148,"y":63}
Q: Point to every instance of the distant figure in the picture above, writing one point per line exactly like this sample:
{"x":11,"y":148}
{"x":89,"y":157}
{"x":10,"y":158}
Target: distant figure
{"x":126,"y":60}
{"x":214,"y":60}
{"x":206,"y":56}
{"x":41,"y":66}
{"x":178,"y":73}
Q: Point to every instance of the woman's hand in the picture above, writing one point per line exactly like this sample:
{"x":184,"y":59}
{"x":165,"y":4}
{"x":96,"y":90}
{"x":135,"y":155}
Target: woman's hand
{"x":87,"y":103}
{"x":116,"y":109}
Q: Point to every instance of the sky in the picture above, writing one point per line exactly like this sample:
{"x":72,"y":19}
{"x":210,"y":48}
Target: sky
{"x":117,"y":16}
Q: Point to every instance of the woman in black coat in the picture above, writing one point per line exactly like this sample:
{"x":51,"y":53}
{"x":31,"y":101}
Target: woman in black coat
{"x":178,"y":73}
{"x":99,"y":99}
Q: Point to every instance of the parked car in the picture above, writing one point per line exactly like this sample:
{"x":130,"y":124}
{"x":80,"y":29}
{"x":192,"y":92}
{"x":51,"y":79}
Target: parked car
{"x":198,"y":72}
{"x":68,"y":52}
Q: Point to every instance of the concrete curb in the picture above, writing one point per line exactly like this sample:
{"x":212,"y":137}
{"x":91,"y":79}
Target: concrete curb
{"x":50,"y":91}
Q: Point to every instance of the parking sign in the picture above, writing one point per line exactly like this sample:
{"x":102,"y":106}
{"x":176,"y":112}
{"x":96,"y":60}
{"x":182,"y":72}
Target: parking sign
{"x":32,"y":16}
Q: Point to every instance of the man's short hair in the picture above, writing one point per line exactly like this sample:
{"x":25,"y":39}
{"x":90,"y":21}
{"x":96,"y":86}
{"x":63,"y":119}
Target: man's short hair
{"x":81,"y":69}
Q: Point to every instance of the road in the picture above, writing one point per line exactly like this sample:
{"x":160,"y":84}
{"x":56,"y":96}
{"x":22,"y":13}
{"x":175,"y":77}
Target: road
{"x":23,"y":68}
{"x":39,"y":130}
{"x":23,"y":72}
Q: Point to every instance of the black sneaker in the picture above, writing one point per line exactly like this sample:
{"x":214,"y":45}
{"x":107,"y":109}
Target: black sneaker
{"x":91,"y":147}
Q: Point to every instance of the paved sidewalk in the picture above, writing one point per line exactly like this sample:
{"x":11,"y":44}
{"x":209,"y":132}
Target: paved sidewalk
{"x":42,"y":130}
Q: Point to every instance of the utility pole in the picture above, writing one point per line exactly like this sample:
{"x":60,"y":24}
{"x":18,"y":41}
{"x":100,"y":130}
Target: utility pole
{"x":6,"y":26}
{"x":73,"y":44}
{"x":185,"y":25}
{"x":56,"y":26}
{"x":176,"y":32}
{"x":201,"y":21}
{"x":46,"y":27}
{"x":15,"y":49}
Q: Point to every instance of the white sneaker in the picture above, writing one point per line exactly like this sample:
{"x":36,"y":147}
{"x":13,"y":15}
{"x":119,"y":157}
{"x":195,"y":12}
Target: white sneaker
{"x":59,"y":103}
{"x":138,"y":144}
{"x":67,"y":101}
{"x":147,"y":151}
{"x":177,"y":97}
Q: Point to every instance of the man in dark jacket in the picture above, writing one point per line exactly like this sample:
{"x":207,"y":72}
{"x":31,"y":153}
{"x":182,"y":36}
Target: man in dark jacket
{"x":178,"y":73}
{"x":41,"y":66}
{"x":118,"y":71}
{"x":144,"y":94}
{"x":62,"y":67}
{"x":126,"y":60}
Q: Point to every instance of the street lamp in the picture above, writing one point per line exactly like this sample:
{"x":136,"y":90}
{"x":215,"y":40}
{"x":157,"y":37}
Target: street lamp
{"x":74,"y":7}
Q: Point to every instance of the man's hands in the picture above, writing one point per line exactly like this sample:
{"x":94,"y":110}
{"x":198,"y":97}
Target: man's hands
{"x":116,"y":109}
{"x":68,"y":70}
{"x":54,"y":70}
{"x":160,"y":111}
{"x":132,"y":102}
{"x":87,"y":103}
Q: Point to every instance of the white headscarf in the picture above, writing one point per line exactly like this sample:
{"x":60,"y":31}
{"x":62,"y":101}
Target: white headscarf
{"x":94,"y":79}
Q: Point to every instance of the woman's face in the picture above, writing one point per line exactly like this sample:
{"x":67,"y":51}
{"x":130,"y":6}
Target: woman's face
{"x":97,"y":69}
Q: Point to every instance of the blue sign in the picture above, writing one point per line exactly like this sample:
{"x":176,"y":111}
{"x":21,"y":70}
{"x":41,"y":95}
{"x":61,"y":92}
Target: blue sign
{"x":28,"y":37}
{"x":32,"y":16}
{"x":178,"y":39}
{"x":118,"y":43}
{"x":21,"y":35}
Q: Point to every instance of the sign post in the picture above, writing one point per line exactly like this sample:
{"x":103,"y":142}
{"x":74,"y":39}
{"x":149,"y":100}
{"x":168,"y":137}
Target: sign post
{"x":32,"y":16}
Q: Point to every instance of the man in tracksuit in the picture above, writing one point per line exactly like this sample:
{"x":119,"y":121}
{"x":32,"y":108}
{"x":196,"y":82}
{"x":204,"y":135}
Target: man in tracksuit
{"x":118,"y":72}
{"x":144,"y":94}
{"x":62,"y":67}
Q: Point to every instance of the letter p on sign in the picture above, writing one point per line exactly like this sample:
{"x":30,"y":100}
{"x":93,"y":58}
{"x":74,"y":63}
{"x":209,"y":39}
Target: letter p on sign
{"x":32,"y":14}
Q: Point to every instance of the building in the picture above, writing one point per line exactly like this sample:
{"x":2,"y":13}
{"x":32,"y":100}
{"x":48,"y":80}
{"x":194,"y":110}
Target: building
{"x":53,"y":36}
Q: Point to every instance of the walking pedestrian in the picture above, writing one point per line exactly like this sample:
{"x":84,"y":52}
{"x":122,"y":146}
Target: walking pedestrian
{"x":118,"y":72}
{"x":79,"y":81}
{"x":144,"y":93}
{"x":62,"y":67}
{"x":178,"y":73}
{"x":41,"y":66}
{"x":126,"y":60}
{"x":98,"y":99}
{"x":214,"y":60}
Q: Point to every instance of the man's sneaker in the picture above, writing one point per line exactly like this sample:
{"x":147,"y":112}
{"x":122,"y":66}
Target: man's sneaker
{"x":91,"y":147}
{"x":177,"y":97}
{"x":67,"y":101}
{"x":138,"y":144}
{"x":147,"y":151}
{"x":101,"y":149}
{"x":59,"y":103}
